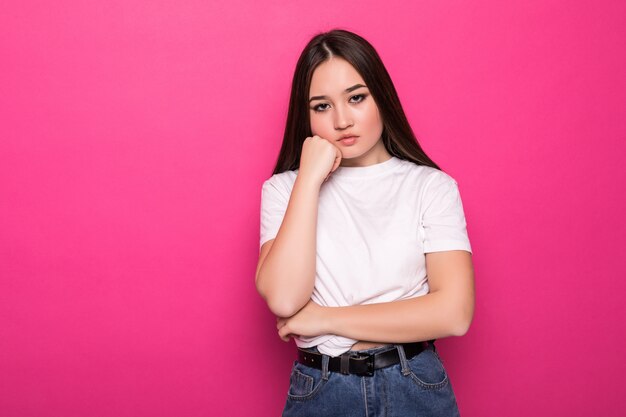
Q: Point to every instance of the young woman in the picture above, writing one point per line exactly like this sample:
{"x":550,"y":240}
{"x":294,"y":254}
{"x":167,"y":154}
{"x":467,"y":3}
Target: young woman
{"x":365,"y":258}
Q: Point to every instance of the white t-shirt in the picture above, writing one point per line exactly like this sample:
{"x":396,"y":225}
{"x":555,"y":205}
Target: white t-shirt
{"x":374,"y":225}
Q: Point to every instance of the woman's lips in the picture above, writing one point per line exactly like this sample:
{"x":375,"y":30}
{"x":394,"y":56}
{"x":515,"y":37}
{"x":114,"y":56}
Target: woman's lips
{"x":350,"y":140}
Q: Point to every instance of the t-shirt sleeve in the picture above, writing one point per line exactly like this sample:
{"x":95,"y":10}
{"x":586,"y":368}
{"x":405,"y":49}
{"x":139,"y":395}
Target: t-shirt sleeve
{"x":443,"y":220}
{"x":274,"y":202}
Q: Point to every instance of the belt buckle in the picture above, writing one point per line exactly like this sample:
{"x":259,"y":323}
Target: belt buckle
{"x":369,"y":363}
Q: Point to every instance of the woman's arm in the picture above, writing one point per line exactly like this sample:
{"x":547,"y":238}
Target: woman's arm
{"x":447,"y":310}
{"x":286,"y":272}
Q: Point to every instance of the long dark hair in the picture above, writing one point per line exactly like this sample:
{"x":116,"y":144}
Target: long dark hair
{"x":397,"y":136}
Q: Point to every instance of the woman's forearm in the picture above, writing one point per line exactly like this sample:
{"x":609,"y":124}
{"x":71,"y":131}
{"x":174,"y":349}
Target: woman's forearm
{"x":287,"y":276}
{"x":431,"y":316}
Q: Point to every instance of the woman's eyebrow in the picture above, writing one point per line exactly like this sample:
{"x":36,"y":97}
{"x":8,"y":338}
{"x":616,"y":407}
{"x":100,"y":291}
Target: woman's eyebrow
{"x":347,"y":90}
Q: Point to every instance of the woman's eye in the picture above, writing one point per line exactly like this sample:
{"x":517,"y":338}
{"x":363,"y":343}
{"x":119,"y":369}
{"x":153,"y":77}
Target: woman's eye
{"x":360,"y":97}
{"x":317,"y":108}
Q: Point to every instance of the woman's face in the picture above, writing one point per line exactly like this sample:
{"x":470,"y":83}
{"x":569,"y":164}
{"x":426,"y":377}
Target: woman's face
{"x":340,"y":104}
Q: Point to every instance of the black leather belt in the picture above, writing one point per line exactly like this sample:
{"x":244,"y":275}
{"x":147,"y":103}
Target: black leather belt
{"x":352,"y":362}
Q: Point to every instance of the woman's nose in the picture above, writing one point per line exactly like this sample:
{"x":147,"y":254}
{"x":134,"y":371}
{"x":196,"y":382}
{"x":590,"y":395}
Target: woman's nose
{"x":342,"y":118}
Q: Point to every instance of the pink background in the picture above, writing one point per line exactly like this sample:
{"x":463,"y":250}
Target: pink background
{"x":135,"y":137}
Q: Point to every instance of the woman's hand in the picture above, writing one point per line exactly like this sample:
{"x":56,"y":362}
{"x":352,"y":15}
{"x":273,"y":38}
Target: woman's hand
{"x":319,"y":158}
{"x":309,"y":321}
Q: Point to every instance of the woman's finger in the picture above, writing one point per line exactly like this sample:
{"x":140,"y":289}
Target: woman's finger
{"x":338,"y":157}
{"x":283,"y":332}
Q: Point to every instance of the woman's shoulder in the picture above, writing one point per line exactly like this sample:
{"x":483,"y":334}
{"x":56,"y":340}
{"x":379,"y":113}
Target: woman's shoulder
{"x":426,"y":174}
{"x":283,"y":180}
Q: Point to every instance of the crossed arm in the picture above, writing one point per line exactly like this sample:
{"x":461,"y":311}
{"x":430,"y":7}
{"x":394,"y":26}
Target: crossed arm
{"x":447,"y":310}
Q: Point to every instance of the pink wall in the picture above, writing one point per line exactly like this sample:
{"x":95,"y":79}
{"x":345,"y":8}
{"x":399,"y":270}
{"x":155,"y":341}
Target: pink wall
{"x":134,"y":140}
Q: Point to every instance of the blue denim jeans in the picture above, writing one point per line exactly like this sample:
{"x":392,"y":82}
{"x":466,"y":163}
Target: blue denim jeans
{"x":415,"y":387}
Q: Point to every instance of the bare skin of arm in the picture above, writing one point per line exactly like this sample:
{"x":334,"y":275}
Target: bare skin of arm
{"x":447,"y":310}
{"x":286,"y":271}
{"x":285,"y":275}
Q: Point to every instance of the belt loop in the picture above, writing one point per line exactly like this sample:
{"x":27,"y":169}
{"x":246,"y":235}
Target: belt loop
{"x":325,"y":359}
{"x":405,"y":365}
{"x":344,"y":363}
